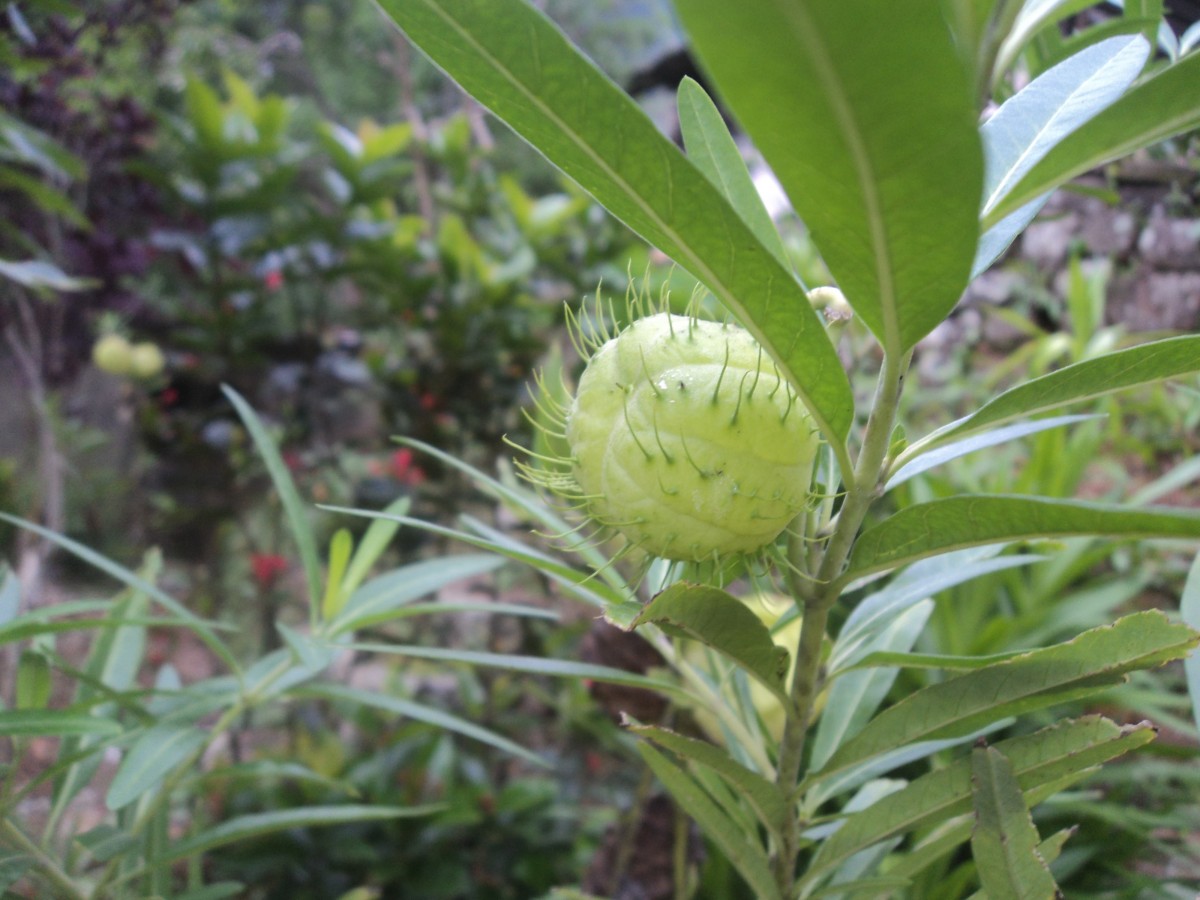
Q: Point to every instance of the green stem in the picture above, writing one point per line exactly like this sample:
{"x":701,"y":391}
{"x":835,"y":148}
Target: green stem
{"x":54,"y":874}
{"x":820,"y":596}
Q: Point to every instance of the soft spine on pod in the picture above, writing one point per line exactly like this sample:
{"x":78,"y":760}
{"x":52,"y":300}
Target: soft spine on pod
{"x":685,"y":438}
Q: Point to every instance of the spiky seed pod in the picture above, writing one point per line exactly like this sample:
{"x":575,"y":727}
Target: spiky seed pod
{"x":685,"y":438}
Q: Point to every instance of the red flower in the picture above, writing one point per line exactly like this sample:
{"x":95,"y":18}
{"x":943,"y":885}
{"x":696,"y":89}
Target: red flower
{"x":266,"y":568}
{"x":404,"y":470}
{"x":273,"y":280}
{"x":427,"y":402}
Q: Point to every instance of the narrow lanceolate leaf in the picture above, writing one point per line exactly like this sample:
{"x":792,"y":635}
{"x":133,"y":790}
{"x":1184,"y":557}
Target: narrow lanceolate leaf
{"x":422,"y":713}
{"x":1158,"y":108}
{"x":861,"y":133}
{"x":1005,"y":841}
{"x":148,"y":761}
{"x":534,"y":665}
{"x":1033,"y":121}
{"x":742,"y":850}
{"x":382,"y":596}
{"x":294,"y":507}
{"x":712,"y":149}
{"x":912,"y":586}
{"x":1049,"y":850}
{"x":1097,"y":659}
{"x":764,"y":797}
{"x":928,"y":529}
{"x":1049,"y":756}
{"x":1189,"y":611}
{"x":54,"y":723}
{"x":513,"y":60}
{"x":1036,"y":119}
{"x":910,"y":467}
{"x":244,"y":828}
{"x":1107,"y":374}
{"x":724,"y":623}
{"x":854,"y":696}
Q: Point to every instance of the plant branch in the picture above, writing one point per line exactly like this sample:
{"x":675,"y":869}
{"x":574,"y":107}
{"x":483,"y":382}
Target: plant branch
{"x":60,"y":879}
{"x":821,"y":595}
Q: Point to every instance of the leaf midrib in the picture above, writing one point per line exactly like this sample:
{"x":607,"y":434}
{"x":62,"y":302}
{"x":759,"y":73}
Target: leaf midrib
{"x":805,"y":32}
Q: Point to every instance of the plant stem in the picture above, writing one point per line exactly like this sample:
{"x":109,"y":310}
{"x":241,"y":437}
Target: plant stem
{"x":820,"y":596}
{"x":60,"y":879}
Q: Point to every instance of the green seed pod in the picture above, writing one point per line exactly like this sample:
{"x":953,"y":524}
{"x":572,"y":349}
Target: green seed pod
{"x":685,"y":438}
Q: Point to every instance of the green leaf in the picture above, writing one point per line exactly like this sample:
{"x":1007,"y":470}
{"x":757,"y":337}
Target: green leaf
{"x":54,"y":723}
{"x":767,"y":801}
{"x":1005,"y":841}
{"x":1029,"y":124}
{"x":105,"y":842}
{"x":1189,"y":611}
{"x":139,"y":584}
{"x":46,"y":196}
{"x":861,"y":133}
{"x":1032,"y":122}
{"x":38,"y":274}
{"x":724,"y":623}
{"x":474,"y":606}
{"x":380,"y":598}
{"x":1160,"y":107}
{"x":12,"y":869}
{"x":514,"y":61}
{"x":919,"y":581}
{"x":294,"y":507}
{"x":33,"y":680}
{"x":952,"y":523}
{"x":340,"y":548}
{"x":153,"y":755}
{"x":422,"y":713}
{"x":1032,"y":18}
{"x":742,"y":850}
{"x":205,"y":113}
{"x":534,"y":665}
{"x":314,"y":654}
{"x":711,"y":147}
{"x":1094,"y":660}
{"x":854,"y":696}
{"x":1065,"y":751}
{"x":379,"y":534}
{"x":1049,"y":850}
{"x":579,"y":584}
{"x":32,"y":146}
{"x":244,"y":828}
{"x":1107,"y":374}
{"x":909,"y":467}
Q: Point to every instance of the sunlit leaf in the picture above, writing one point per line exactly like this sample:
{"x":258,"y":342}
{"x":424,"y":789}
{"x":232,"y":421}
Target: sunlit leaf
{"x":1160,"y":107}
